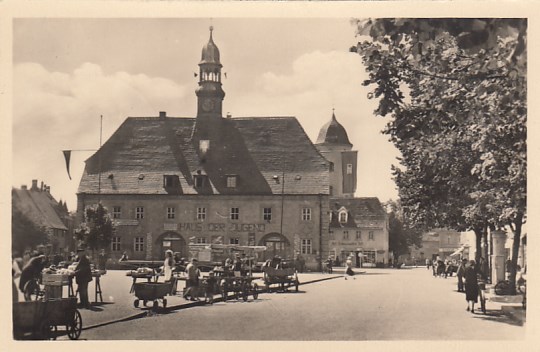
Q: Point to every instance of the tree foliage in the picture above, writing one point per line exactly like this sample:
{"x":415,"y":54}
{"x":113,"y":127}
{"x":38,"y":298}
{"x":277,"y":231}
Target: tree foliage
{"x":455,"y":92}
{"x":400,"y":235}
{"x":25,"y":234}
{"x":97,"y":230}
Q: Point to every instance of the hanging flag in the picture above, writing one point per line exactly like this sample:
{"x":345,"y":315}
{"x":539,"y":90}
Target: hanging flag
{"x":67,"y":156}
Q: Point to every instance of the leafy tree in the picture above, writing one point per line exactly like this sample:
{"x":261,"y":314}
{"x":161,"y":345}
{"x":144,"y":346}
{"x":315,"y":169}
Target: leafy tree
{"x":400,"y":235}
{"x":97,"y":230}
{"x":25,"y":233}
{"x":455,"y":91}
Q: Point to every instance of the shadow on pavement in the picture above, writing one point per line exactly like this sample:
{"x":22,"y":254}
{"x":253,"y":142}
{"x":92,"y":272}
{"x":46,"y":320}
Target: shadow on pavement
{"x":500,"y":316}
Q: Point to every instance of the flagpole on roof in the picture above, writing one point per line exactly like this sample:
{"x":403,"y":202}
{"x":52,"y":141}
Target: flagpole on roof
{"x":99,"y":157}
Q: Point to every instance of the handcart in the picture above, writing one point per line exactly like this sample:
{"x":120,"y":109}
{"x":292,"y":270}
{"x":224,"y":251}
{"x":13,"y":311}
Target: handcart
{"x":152,"y":291}
{"x":41,"y":319}
{"x":242,"y":286}
{"x":204,"y":291}
{"x":283,"y":277}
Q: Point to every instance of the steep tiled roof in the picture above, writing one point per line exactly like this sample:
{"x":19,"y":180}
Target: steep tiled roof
{"x":255,"y":149}
{"x":39,"y":206}
{"x":366,"y":211}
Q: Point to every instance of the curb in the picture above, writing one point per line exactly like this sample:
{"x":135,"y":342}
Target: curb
{"x":186,"y":305}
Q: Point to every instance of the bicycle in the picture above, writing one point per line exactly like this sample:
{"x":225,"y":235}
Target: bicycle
{"x":503,"y":288}
{"x":32,"y":290}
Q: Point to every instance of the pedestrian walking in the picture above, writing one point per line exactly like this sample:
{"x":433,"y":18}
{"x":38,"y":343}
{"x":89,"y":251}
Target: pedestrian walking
{"x":124,"y":257}
{"x":471,"y":285}
{"x":460,"y":273}
{"x":192,"y":282}
{"x":349,"y":271}
{"x":168,"y":265}
{"x":83,"y":275}
{"x":428,"y":263}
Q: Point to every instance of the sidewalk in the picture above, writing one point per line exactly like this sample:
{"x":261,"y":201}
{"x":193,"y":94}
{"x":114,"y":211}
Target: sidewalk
{"x":118,"y":302}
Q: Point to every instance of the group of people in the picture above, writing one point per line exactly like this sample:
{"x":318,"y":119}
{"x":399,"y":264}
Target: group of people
{"x":441,"y":268}
{"x":29,"y":273}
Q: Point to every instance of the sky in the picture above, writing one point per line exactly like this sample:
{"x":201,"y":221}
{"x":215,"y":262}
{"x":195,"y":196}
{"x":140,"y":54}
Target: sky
{"x":69,"y":72}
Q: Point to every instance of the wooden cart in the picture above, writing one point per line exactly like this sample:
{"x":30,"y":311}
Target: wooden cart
{"x":41,"y":319}
{"x":283,"y":278}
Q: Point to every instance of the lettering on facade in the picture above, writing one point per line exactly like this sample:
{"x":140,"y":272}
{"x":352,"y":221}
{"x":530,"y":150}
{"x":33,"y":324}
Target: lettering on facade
{"x":126,"y":222}
{"x":170,"y":227}
{"x":340,"y":243}
{"x":219,"y":227}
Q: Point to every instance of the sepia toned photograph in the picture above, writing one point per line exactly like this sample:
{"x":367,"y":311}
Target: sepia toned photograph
{"x":252,"y":178}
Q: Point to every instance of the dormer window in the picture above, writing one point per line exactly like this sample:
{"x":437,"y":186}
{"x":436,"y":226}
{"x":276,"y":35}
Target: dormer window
{"x":349,"y":169}
{"x":170,"y":181}
{"x":343,"y":216}
{"x":199,"y":181}
{"x":231,"y":181}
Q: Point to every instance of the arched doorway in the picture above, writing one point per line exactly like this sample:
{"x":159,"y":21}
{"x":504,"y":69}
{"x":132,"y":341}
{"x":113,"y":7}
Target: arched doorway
{"x":276,"y":244}
{"x":170,"y":240}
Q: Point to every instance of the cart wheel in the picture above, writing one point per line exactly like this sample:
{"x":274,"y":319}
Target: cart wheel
{"x":296,"y":285}
{"x":255,"y":291}
{"x":155,"y":305}
{"x":136,"y":303}
{"x":75,"y":328}
{"x":224,"y":294}
{"x":164,"y":302}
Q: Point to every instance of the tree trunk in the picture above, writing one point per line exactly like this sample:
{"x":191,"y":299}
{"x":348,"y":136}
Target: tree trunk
{"x":485,"y":254}
{"x":478,"y":234}
{"x":518,"y":222}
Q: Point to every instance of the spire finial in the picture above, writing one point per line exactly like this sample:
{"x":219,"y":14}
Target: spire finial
{"x":333,"y":113}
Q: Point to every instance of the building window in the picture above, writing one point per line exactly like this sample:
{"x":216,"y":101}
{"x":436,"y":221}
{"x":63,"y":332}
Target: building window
{"x":306,"y":246}
{"x":267,"y":214}
{"x":139,"y":244}
{"x":199,"y":181}
{"x":115,"y":244}
{"x":369,"y":257}
{"x":331,"y":167}
{"x":231,"y":181}
{"x":345,"y":235}
{"x":235,"y":213}
{"x":201,"y":213}
{"x":204,"y":145}
{"x":234,"y":240}
{"x":116,"y":212}
{"x":170,"y":181}
{"x":371,"y":236}
{"x":306,"y":214}
{"x":349,"y":169}
{"x":139,"y":213}
{"x":358,"y":235}
{"x":331,"y":190}
{"x":201,"y":240}
{"x":342,"y":216}
{"x":170,"y":212}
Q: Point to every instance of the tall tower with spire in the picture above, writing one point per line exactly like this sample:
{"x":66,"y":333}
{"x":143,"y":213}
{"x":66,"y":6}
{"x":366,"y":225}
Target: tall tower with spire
{"x":333,"y":143}
{"x":209,"y":93}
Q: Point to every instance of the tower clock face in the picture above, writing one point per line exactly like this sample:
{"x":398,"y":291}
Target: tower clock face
{"x":208,"y":105}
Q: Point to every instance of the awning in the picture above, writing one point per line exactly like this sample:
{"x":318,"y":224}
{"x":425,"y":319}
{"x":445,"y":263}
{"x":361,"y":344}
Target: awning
{"x":458,"y":252}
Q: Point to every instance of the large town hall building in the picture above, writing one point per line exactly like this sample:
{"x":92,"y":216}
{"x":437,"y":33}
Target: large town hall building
{"x":169,"y":182}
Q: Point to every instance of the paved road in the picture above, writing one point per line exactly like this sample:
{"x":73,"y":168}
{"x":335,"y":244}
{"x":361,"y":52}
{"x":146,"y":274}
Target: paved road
{"x":382,"y":304}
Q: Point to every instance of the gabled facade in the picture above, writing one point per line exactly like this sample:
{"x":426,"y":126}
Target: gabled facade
{"x":42,"y":209}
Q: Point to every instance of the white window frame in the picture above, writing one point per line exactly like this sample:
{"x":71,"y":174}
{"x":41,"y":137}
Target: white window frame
{"x":358,"y":234}
{"x":117,"y":212}
{"x":139,"y":213}
{"x":231,"y":181}
{"x":201,"y":213}
{"x":201,"y":240}
{"x":267,"y":214}
{"x":234,"y":213}
{"x":349,"y":169}
{"x":306,"y":214}
{"x":306,"y":246}
{"x":171,"y":212}
{"x":116,"y":244}
{"x":343,"y":217}
{"x":346,"y":235}
{"x":138,"y":244}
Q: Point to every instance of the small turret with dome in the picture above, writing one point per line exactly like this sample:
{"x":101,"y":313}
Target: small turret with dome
{"x":209,"y":93}
{"x":333,"y":143}
{"x":333,"y":133}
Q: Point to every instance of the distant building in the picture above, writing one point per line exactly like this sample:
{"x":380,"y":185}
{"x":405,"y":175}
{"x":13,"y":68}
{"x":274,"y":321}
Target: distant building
{"x":359,"y":226}
{"x":42,"y":209}
{"x":435,"y":243}
{"x":169,"y":182}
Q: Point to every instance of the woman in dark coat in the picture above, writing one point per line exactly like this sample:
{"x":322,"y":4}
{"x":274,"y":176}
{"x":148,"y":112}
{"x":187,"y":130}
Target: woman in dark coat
{"x":83,"y":275}
{"x":471,"y":285}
